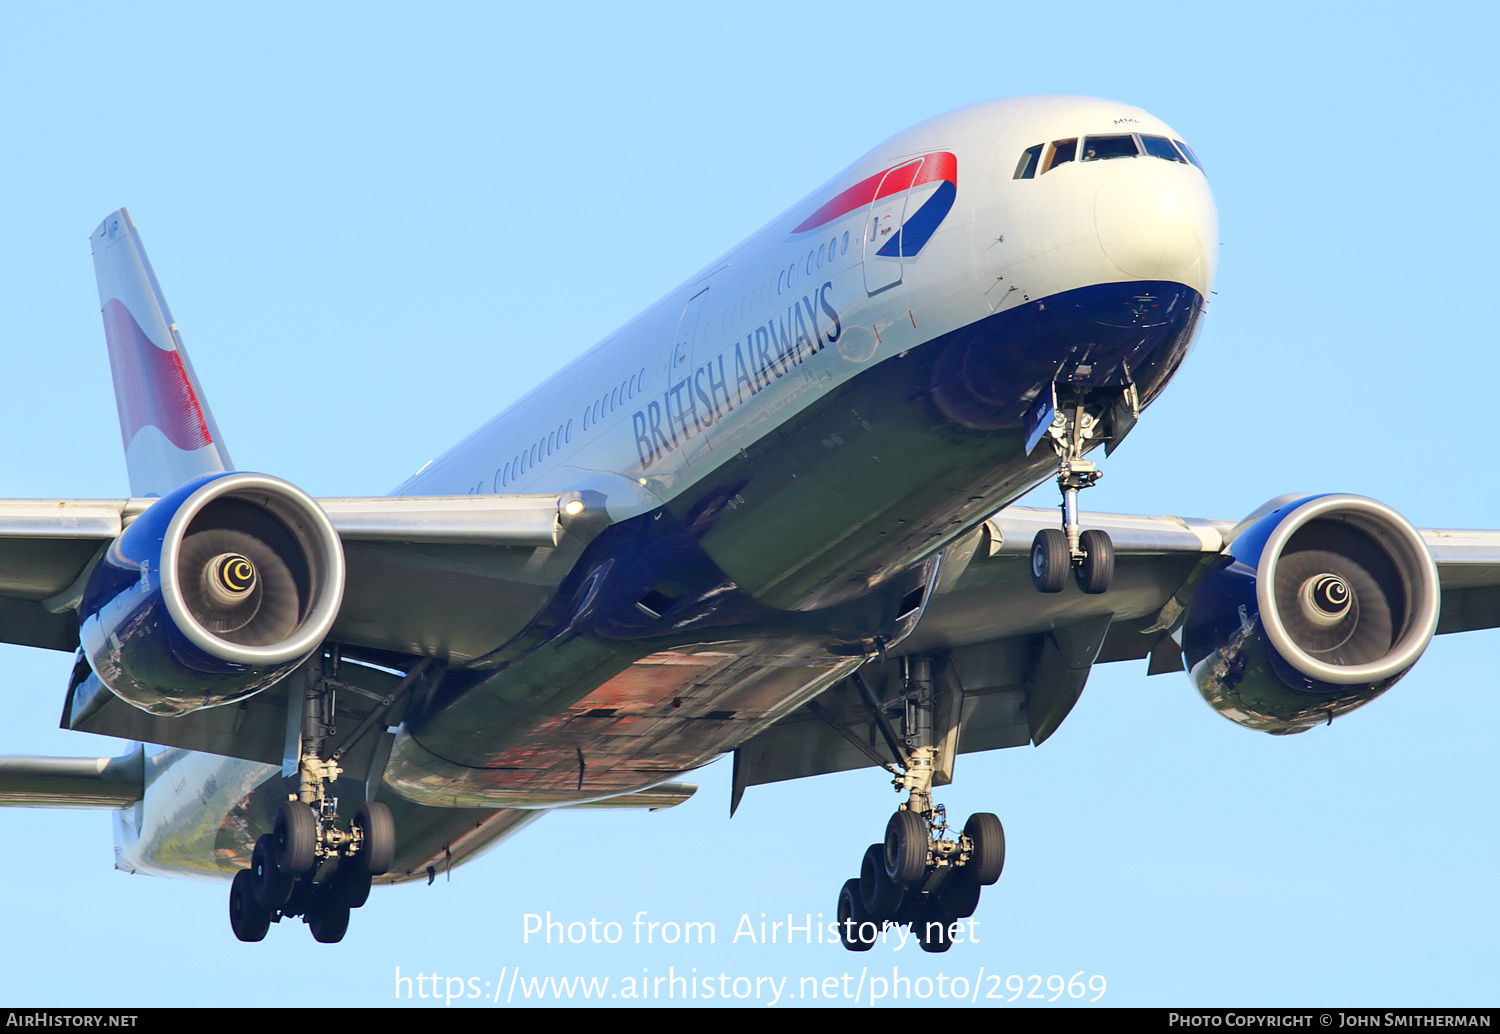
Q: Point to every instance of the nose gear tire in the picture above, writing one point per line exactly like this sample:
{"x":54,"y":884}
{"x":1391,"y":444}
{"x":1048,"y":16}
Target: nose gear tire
{"x":1096,"y":571}
{"x":1049,"y":560}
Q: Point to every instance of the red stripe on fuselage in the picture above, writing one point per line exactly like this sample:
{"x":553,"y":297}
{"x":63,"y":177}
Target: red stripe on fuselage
{"x":151,"y":384}
{"x":940,"y":165}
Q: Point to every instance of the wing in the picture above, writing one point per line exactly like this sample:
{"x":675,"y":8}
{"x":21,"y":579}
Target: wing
{"x":444,"y":577}
{"x":457,"y":577}
{"x":449,"y":576}
{"x":1020,"y":659}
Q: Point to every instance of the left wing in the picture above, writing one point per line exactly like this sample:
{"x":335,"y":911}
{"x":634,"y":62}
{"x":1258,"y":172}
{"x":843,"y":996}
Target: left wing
{"x":1017,"y":660}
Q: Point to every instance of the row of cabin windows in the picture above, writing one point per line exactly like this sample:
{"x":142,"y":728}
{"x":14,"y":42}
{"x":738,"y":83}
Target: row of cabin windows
{"x":836,"y":247}
{"x":831,"y":247}
{"x":1101,"y":148}
{"x":615,"y":398}
{"x":555,"y":440}
{"x":534,"y":455}
{"x":626,"y":391}
{"x":815,"y":259}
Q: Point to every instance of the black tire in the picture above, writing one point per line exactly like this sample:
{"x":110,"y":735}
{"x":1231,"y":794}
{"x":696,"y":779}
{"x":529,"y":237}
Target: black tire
{"x":1050,"y":560}
{"x":935,"y":939}
{"x":852,"y":917}
{"x":272,"y":887}
{"x":905,"y":847}
{"x":959,"y":896}
{"x":350,"y":887}
{"x":988,"y":859}
{"x":328,"y":925}
{"x":379,"y":849}
{"x":247,"y":917}
{"x":880,"y":894}
{"x":933,"y":931}
{"x":296,"y":837}
{"x":1096,"y":571}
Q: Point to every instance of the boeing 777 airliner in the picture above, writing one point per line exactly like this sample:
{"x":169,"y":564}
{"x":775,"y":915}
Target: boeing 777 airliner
{"x":772,"y":516}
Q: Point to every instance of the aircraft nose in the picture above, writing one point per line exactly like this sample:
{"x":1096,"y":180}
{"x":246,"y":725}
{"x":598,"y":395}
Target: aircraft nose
{"x":1157,"y":221}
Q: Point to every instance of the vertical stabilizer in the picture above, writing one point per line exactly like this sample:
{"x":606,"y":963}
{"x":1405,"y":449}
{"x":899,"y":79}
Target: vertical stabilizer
{"x":168,"y":430}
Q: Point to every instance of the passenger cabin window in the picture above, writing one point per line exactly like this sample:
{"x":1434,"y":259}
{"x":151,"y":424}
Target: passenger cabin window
{"x":1060,"y":151}
{"x":1026,"y":167}
{"x":1161,"y":147}
{"x":1099,"y":148}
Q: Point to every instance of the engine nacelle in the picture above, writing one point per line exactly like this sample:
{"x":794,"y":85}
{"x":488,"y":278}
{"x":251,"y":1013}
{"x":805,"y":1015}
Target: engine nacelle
{"x":1316,"y":608}
{"x":216,"y":591}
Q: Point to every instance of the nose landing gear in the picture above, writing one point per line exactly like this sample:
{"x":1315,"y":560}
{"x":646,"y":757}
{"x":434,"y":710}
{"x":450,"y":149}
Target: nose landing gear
{"x":1090,"y":554}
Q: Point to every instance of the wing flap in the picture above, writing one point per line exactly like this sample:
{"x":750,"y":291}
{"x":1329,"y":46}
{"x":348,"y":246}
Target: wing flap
{"x":35,"y":782}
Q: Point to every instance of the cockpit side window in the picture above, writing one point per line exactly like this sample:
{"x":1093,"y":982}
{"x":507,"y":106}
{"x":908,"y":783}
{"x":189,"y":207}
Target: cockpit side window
{"x":1060,"y":151}
{"x":1026,"y":167}
{"x":1187,"y":152}
{"x":1161,"y":147}
{"x":1098,"y":148}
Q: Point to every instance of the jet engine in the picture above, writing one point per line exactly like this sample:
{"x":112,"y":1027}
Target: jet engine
{"x":1315,"y":608}
{"x":216,"y":591}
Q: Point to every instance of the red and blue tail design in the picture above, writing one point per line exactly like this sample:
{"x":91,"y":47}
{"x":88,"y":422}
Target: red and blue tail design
{"x":940,"y":167}
{"x":168,"y":430}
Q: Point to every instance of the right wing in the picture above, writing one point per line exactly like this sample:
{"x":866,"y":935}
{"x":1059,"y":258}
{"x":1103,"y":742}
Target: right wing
{"x":446,"y":576}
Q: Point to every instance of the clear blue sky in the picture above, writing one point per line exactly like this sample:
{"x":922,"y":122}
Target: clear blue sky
{"x":378,"y":225}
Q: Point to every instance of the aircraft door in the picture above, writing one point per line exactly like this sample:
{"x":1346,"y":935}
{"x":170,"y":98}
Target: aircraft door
{"x":680,"y":361}
{"x":882,"y":245}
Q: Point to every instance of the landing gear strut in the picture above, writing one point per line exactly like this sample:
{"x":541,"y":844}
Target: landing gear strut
{"x":922,"y":874}
{"x":1090,"y":554}
{"x":308,"y":865}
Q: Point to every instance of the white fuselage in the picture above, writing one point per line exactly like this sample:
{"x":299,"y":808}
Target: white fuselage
{"x":771,"y":327}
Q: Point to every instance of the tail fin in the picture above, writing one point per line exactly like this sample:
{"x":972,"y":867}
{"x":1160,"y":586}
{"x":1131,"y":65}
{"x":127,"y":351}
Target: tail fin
{"x":168,"y":431}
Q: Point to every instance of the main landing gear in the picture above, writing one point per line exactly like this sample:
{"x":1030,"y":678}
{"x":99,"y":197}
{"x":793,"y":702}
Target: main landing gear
{"x":282,"y":881}
{"x":307,"y":866}
{"x":1090,"y":554}
{"x":922,"y":875}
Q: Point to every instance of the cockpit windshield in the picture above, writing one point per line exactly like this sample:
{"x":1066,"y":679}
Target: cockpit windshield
{"x":1120,"y":145}
{"x":1101,"y":148}
{"x":1026,"y":167}
{"x":1161,"y":147}
{"x":1060,"y":151}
